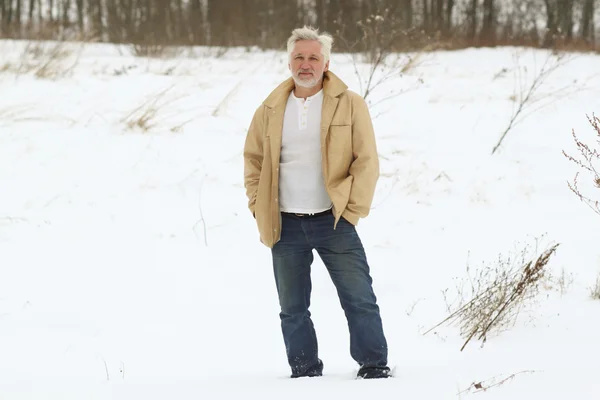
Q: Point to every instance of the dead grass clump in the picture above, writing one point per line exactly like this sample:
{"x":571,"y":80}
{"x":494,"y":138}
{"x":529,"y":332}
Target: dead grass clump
{"x":52,"y":66}
{"x":46,"y":60}
{"x":491,"y":300}
{"x":144,"y":116}
{"x":561,"y":283}
{"x":154,"y":50}
{"x":595,"y":290}
{"x":151,"y":113}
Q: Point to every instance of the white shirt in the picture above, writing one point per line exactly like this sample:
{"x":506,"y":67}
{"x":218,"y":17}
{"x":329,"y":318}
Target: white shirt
{"x":301,"y":185}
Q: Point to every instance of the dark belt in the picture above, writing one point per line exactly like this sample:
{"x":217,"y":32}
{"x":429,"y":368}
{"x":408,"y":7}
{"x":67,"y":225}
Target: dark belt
{"x":309,"y":215}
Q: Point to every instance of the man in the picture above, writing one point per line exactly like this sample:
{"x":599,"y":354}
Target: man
{"x":310,"y":170}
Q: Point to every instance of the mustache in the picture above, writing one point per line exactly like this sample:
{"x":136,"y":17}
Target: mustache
{"x":305,"y":71}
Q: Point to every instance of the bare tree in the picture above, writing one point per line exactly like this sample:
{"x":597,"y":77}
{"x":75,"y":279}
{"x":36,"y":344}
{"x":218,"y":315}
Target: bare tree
{"x":267,"y":23}
{"x":65,"y":7}
{"x":196,"y":21}
{"x":488,"y":30}
{"x":18,"y":14}
{"x":50,"y":11}
{"x":565,"y":19}
{"x":559,"y":21}
{"x":2,"y":16}
{"x":427,"y":25}
{"x":587,"y":22}
{"x":449,"y":9}
{"x":6,"y":7}
{"x":472,"y":18}
{"x":80,"y":23}
{"x":31,"y":8}
{"x":220,"y":32}
{"x":407,"y":13}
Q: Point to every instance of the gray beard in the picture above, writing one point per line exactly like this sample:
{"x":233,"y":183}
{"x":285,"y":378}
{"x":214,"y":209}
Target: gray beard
{"x":306,"y":83}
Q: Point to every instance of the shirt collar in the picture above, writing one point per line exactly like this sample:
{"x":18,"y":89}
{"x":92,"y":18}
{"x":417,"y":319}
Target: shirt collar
{"x":308,"y":99}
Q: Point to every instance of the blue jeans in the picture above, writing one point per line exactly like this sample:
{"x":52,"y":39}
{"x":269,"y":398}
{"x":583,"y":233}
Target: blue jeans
{"x":344,"y":257}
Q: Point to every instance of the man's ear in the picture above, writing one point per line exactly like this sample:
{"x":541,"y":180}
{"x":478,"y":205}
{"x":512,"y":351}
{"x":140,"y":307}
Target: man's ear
{"x":326,"y":66}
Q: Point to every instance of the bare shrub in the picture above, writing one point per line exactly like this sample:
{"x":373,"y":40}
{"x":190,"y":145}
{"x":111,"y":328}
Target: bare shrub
{"x":211,"y":52}
{"x":526,"y":95}
{"x":491,"y":300}
{"x":376,"y":48}
{"x":154,"y":50}
{"x":589,"y":161}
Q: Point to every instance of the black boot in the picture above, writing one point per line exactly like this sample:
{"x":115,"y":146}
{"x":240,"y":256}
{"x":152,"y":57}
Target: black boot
{"x":315,"y":370}
{"x":374,"y":372}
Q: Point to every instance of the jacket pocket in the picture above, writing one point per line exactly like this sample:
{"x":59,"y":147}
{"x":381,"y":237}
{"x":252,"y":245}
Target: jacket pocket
{"x":340,"y":133}
{"x":340,"y":144}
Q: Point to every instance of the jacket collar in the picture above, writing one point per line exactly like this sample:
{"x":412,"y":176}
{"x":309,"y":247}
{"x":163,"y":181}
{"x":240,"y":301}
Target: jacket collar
{"x":332,"y":86}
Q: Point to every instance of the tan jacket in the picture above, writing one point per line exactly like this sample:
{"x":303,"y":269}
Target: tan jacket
{"x":348,"y":150}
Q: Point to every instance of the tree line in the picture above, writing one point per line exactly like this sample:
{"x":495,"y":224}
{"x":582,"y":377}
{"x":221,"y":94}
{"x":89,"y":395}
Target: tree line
{"x":401,"y":24}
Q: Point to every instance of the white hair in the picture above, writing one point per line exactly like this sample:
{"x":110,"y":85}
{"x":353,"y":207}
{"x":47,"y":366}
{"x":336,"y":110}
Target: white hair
{"x":308,"y":33}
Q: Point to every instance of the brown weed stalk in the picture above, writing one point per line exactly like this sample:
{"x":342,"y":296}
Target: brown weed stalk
{"x":588,"y":160}
{"x":497,"y":296}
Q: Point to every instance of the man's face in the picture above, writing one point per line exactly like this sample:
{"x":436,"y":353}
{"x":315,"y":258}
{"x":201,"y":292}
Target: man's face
{"x":307,"y":63}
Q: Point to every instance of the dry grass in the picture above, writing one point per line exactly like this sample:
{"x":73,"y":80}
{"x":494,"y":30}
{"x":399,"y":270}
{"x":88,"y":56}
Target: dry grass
{"x":45,"y":60}
{"x":595,"y":290}
{"x":588,"y":160}
{"x":206,"y":52}
{"x":150,"y":113}
{"x":485,"y":385}
{"x":53,"y":65}
{"x":155,"y":50}
{"x":144,"y":116}
{"x":562,"y":282}
{"x":15,"y":114}
{"x":491,"y":300}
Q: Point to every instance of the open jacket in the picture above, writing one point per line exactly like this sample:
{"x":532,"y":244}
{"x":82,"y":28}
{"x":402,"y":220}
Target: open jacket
{"x":348,"y":154}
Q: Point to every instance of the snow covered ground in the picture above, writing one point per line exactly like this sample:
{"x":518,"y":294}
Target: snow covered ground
{"x":131,"y":268}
